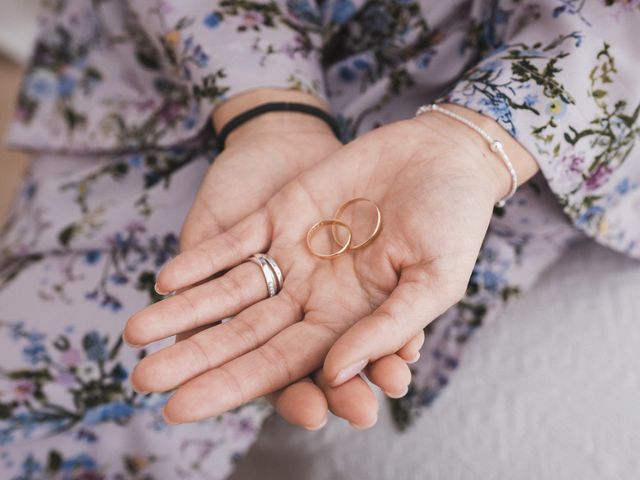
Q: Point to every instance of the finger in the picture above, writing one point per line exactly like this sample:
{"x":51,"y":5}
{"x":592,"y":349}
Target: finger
{"x":353,"y":400}
{"x":413,"y":304}
{"x":410,"y":353}
{"x":212,"y":301}
{"x":175,"y":364}
{"x":290,"y":355}
{"x":191,"y":333}
{"x":181,"y":336}
{"x":391,"y":374}
{"x":302,"y":403}
{"x":225,"y":250}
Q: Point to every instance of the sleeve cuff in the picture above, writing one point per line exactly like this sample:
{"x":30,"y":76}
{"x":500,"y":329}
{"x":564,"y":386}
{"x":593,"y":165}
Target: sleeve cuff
{"x":557,"y":98}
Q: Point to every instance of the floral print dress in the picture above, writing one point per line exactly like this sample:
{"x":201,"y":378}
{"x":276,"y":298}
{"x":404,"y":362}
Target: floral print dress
{"x":116,"y":107}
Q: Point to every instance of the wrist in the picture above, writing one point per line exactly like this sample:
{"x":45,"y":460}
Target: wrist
{"x":277,"y":122}
{"x":491,"y":167}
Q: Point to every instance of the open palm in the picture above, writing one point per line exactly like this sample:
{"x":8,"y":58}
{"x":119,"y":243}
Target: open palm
{"x":436,"y":201}
{"x":260,"y":159}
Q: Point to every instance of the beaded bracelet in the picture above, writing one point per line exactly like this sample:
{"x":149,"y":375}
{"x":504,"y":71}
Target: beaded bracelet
{"x":495,"y":145}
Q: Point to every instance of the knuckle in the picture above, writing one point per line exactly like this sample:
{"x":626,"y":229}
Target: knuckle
{"x":245,"y":332}
{"x":393,"y":329}
{"x":189,"y":308}
{"x":203,"y":253}
{"x":232,"y":288}
{"x":232,"y":386}
{"x":333,"y":328}
{"x":232,"y":243}
{"x":277,"y":361}
{"x":198,"y":353}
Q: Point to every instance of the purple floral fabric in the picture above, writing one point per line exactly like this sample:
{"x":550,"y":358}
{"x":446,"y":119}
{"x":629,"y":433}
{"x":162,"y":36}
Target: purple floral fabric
{"x":116,"y":105}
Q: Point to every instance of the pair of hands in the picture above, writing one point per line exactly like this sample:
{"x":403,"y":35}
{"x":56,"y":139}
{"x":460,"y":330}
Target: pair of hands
{"x":364,"y":310}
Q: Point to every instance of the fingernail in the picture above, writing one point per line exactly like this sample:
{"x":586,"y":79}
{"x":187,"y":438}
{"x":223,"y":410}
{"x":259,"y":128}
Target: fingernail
{"x":166,"y":420}
{"x":366,"y":427}
{"x":128,"y":343}
{"x":406,"y":390}
{"x":140,"y":392}
{"x":417,"y":357}
{"x":324,"y":422}
{"x":349,"y":372}
{"x":160,"y":292}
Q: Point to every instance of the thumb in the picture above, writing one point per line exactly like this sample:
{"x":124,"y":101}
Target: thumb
{"x":413,"y":304}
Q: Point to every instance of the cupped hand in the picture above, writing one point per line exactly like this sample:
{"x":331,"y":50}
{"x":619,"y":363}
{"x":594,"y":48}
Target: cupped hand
{"x":436,"y":186}
{"x":260,"y":157}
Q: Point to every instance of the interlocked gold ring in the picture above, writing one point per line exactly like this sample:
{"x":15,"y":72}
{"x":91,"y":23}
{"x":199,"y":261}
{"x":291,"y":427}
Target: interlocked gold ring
{"x":333,"y":222}
{"x":376,"y":229}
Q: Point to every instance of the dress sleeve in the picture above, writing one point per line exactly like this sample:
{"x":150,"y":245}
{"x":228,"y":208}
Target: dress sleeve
{"x":225,"y":47}
{"x":122,"y":75}
{"x":562,"y":78}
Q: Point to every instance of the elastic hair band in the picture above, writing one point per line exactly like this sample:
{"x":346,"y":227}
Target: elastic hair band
{"x":244,"y":117}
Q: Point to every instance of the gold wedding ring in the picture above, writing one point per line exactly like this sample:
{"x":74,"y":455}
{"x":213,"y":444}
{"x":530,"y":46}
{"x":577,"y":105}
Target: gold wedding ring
{"x":376,"y":229}
{"x":336,"y":221}
{"x":333,"y":222}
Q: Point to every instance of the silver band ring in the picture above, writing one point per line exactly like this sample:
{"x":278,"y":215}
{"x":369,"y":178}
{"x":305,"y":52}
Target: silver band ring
{"x":276,"y":269}
{"x":271,"y":276}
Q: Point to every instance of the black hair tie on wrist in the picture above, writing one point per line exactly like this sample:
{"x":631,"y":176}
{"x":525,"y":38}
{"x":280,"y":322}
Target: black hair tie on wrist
{"x":244,"y":117}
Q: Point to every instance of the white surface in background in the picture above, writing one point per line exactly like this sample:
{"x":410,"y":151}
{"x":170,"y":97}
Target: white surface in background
{"x":550,"y":391}
{"x":18,"y":28}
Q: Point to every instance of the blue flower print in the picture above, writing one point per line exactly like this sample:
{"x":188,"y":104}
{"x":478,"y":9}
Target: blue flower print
{"x":591,"y":214}
{"x":66,"y":86}
{"x":95,"y":346}
{"x":39,"y":84}
{"x":501,"y":16}
{"x":79,"y":462}
{"x":491,"y":66}
{"x":342,"y":11}
{"x":499,"y":108}
{"x":361,"y":64}
{"x":624,"y":186}
{"x":119,"y":279}
{"x":136,"y":160}
{"x":212,"y":20}
{"x":530,"y":100}
{"x":92,"y":257}
{"x":119,"y":373}
{"x":110,"y":412}
{"x":346,"y":73}
{"x":558,"y":10}
{"x":304,"y":10}
{"x":424,"y":60}
{"x":30,"y":467}
{"x":491,"y":280}
{"x":35,"y":353}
